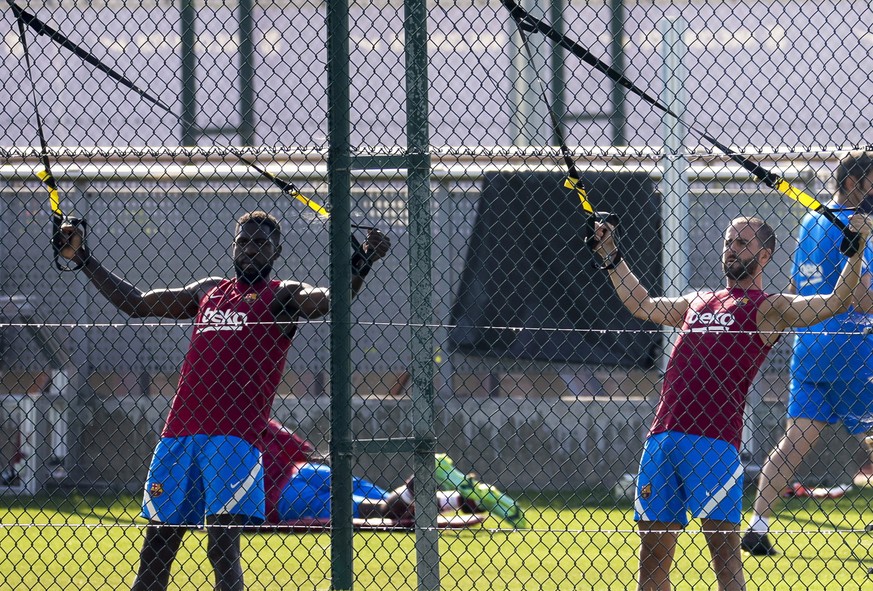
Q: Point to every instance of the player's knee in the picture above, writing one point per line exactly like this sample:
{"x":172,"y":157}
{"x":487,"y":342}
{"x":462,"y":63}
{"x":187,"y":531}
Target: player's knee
{"x":162,"y":540}
{"x":657,"y":546}
{"x":223,"y":549}
{"x":227,"y":564}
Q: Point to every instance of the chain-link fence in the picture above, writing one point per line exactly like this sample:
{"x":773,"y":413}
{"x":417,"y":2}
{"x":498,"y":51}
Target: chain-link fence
{"x":200,"y":403}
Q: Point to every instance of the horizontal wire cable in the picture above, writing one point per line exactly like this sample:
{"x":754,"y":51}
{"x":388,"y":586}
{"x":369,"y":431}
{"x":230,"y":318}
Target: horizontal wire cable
{"x":184,"y":324}
{"x":9,"y":152}
{"x":391,"y":529}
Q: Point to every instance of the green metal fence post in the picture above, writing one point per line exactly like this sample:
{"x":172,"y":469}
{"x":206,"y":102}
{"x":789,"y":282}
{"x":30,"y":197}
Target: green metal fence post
{"x":246,"y":74}
{"x":188,"y":34}
{"x":339,"y":181}
{"x":421,"y":293}
{"x":616,"y":29}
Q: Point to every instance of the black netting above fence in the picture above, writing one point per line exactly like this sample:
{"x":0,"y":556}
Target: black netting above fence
{"x":531,"y":289}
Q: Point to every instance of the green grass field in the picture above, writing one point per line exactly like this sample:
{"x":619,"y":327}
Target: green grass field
{"x":79,"y":543}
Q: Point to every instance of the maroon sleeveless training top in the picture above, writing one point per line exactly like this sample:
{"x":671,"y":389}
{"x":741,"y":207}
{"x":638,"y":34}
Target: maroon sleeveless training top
{"x":233,"y":365}
{"x":716,"y":357}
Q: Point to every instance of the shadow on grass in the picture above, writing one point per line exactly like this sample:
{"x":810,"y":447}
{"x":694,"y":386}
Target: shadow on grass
{"x":122,"y":508}
{"x":595,"y":498}
{"x":823,"y":531}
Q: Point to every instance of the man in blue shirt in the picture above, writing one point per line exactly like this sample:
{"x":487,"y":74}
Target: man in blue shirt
{"x":832,"y":362}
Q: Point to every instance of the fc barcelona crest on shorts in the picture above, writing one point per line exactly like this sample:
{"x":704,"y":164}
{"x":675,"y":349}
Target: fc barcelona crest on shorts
{"x":156,"y":489}
{"x":646,"y":491}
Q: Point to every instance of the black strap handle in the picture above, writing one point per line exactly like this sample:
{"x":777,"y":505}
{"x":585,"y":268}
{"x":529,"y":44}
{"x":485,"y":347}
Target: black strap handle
{"x":59,"y":242}
{"x":604,"y":217}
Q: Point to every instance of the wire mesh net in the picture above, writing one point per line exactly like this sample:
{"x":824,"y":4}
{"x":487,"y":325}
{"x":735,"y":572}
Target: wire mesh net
{"x":504,"y":411}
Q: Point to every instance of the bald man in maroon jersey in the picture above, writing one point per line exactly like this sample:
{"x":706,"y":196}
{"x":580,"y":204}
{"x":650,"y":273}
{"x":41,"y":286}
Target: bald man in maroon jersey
{"x":690,"y":461}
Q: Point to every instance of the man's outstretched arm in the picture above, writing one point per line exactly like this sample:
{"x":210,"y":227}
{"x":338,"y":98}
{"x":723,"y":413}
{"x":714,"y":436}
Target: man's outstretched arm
{"x":300,"y":300}
{"x":180,"y":303}
{"x":785,"y":310}
{"x":632,"y":293}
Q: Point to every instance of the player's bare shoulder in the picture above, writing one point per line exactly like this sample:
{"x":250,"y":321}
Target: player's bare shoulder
{"x":693,"y":297}
{"x":291,"y":288}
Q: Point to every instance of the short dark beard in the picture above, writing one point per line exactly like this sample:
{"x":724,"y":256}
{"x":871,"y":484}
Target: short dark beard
{"x":255,"y":276}
{"x":743,"y":271}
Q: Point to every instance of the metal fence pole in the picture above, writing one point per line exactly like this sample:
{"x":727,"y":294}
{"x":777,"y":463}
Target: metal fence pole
{"x":246,"y":74}
{"x":80,"y":403}
{"x":339,"y":181}
{"x":529,"y":122}
{"x":443,"y":285}
{"x":617,"y":116}
{"x":674,"y":182}
{"x":187,"y":22}
{"x":420,"y":294}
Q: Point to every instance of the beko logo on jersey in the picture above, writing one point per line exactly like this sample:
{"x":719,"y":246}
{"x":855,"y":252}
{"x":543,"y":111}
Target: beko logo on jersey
{"x":213,"y":320}
{"x":711,"y":321}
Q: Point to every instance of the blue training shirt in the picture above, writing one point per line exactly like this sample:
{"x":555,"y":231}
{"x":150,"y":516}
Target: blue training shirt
{"x":834,"y":349}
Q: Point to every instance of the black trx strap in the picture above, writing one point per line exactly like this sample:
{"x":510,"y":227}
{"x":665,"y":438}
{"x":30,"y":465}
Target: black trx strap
{"x":46,"y":176}
{"x":42,"y":28}
{"x":573,"y":181}
{"x":851,"y":242}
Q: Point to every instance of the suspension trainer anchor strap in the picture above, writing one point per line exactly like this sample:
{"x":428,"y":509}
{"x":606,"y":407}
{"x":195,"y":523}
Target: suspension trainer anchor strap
{"x":41,"y":28}
{"x":851,"y":242}
{"x":526,"y":24}
{"x":45,"y":175}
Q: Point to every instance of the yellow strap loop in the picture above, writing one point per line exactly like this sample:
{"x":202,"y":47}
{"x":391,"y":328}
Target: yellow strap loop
{"x":789,"y":191}
{"x":309,"y":202}
{"x":576,"y":185}
{"x":54,"y":197}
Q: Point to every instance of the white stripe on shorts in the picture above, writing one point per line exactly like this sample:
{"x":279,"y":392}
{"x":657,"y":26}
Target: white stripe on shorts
{"x":148,"y":502}
{"x":638,"y":504}
{"x":719,"y":495}
{"x":242,"y":489}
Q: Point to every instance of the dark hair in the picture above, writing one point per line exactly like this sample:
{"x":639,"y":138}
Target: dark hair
{"x":763,"y":232}
{"x":856,"y":165}
{"x":263,"y":218}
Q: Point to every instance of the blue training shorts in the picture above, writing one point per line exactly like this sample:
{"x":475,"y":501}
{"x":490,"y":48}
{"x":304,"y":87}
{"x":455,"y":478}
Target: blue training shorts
{"x":307,"y":494}
{"x":847,"y":401}
{"x":200,"y":475}
{"x":682,"y":473}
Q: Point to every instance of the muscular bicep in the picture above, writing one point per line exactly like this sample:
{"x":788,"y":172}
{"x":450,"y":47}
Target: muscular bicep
{"x":782,"y":311}
{"x":664,"y":311}
{"x":863,"y":297}
{"x":301,"y":300}
{"x":180,"y":303}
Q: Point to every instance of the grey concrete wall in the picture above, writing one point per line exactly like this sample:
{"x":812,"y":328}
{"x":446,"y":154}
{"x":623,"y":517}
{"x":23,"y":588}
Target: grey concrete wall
{"x":542,"y":444}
